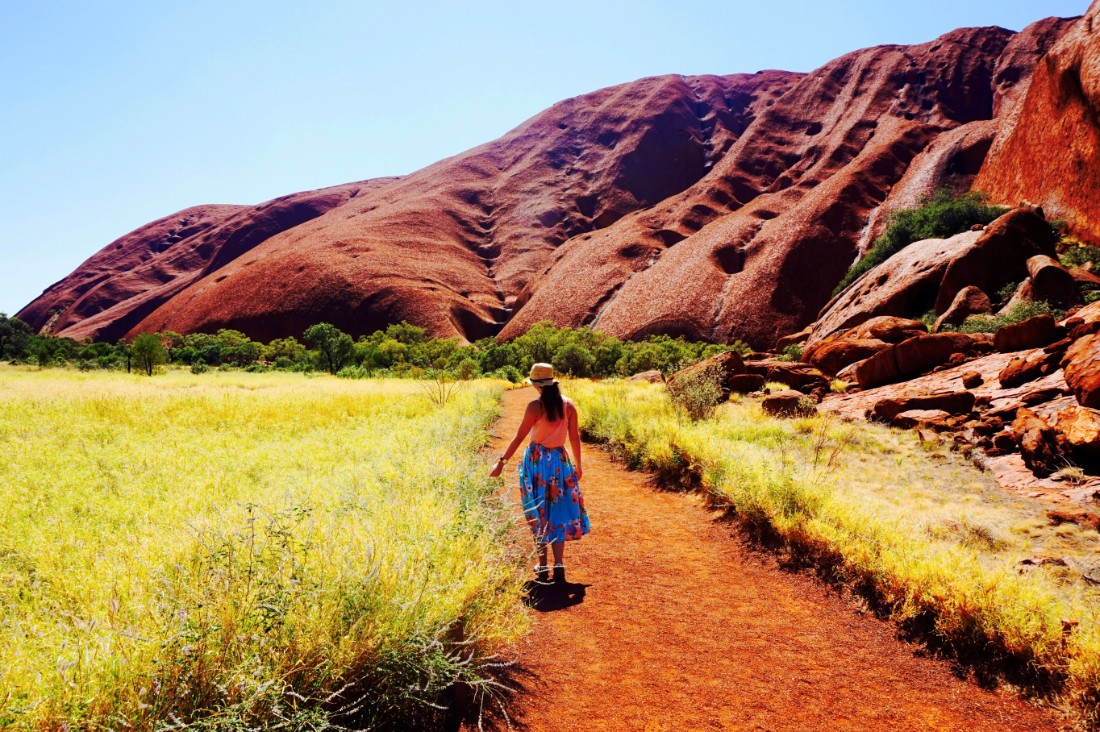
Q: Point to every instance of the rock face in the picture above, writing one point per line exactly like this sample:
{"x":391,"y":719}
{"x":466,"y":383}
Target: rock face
{"x":712,"y":207}
{"x":1057,"y":112}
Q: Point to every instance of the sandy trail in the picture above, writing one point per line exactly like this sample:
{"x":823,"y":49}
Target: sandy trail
{"x":683,"y":627}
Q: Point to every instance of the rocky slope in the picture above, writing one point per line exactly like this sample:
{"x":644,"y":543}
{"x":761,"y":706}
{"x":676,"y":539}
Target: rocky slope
{"x":713,"y":207}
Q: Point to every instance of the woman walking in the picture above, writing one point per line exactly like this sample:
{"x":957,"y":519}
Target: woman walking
{"x":549,"y":481}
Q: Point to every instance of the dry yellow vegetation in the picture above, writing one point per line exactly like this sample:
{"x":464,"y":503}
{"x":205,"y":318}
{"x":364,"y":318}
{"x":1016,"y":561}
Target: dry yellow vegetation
{"x":233,"y":550}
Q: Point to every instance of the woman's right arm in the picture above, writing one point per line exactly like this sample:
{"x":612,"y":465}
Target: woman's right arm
{"x":530,"y":416}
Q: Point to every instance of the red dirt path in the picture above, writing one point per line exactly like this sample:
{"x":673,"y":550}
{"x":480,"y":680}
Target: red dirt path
{"x":683,"y":627}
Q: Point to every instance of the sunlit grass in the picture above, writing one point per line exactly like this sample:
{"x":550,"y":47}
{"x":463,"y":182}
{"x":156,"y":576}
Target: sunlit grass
{"x":236,"y":549}
{"x":928,"y":536}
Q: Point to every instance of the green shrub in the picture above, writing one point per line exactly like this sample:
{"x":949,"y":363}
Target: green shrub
{"x":792,"y":352}
{"x":1078,"y":254}
{"x":352,"y":372}
{"x":1018,"y":312}
{"x":573,"y":359}
{"x":198,"y":366}
{"x":944,"y":214}
{"x":1005,"y":293}
{"x":467,"y":369}
{"x":1092,"y":296}
{"x":698,"y":393}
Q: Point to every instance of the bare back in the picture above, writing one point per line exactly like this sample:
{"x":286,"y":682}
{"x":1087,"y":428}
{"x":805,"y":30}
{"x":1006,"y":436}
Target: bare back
{"x":552,"y":434}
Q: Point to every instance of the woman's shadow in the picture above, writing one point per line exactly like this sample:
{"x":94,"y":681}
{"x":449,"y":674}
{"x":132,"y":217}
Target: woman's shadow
{"x":549,"y":596}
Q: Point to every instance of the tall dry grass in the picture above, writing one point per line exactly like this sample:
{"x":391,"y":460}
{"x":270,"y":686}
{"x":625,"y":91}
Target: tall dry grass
{"x":238,"y":550}
{"x":929,"y":538}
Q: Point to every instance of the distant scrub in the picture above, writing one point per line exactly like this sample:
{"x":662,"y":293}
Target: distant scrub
{"x":945,"y":214}
{"x":400,"y":350}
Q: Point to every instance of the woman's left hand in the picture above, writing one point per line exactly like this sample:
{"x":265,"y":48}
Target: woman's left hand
{"x":578,"y":472}
{"x":497,"y":470}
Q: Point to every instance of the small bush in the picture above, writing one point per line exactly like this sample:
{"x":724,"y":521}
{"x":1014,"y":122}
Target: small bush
{"x":199,"y":367}
{"x":792,"y":352}
{"x":1092,"y":296}
{"x":943,"y":215}
{"x":509,"y":373}
{"x":698,"y":393}
{"x":352,"y":372}
{"x":1017,"y":313}
{"x":1005,"y":293}
{"x":467,"y":369}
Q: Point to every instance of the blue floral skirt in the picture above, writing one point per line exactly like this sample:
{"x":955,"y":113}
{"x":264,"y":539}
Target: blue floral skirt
{"x":551,"y":494}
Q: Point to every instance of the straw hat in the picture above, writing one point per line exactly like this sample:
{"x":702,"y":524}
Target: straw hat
{"x":542,"y":374}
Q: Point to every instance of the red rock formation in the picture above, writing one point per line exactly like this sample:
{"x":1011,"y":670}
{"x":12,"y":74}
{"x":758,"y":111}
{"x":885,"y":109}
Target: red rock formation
{"x":712,"y":207}
{"x":930,"y":274}
{"x":1048,"y":150}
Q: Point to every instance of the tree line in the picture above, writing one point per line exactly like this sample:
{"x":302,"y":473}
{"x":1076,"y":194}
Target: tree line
{"x":399,"y":350}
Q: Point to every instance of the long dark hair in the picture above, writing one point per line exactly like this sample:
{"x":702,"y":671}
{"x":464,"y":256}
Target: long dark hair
{"x":550,"y":396}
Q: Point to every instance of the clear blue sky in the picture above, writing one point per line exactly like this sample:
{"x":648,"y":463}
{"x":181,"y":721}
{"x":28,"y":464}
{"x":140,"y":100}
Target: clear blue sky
{"x":118,"y":113}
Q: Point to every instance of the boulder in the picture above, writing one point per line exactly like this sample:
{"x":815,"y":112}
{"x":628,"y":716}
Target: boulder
{"x":652,"y":376}
{"x":999,"y":256}
{"x":831,"y":356}
{"x":788,"y":404}
{"x":972,"y":379}
{"x":1050,"y":281}
{"x":1006,"y":441}
{"x":745,"y":383}
{"x":795,"y":375}
{"x":1088,"y":314}
{"x":1031,"y":333}
{"x":1040,"y":396}
{"x":1038,"y":443}
{"x":1082,"y":367}
{"x":887,"y":328}
{"x":956,"y":402}
{"x":1084,"y":277}
{"x":1023,"y":369}
{"x":911,"y":358}
{"x":726,"y":365}
{"x":969,"y":301}
{"x":1078,"y":428}
{"x":932,"y":419}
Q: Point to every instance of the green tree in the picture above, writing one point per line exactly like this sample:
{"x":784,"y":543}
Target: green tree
{"x":15,"y":335}
{"x":335,"y":345}
{"x":287,"y":348}
{"x":573,"y":359}
{"x":148,"y":352}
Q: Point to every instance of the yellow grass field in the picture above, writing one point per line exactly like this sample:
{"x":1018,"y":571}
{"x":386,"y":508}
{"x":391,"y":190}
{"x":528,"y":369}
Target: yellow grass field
{"x":934,"y":540}
{"x":239,"y":550}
